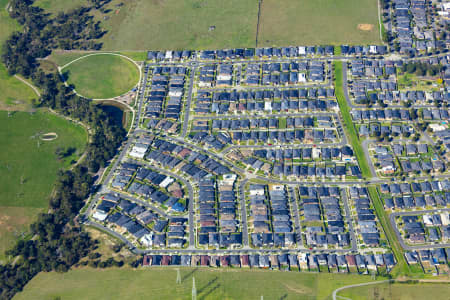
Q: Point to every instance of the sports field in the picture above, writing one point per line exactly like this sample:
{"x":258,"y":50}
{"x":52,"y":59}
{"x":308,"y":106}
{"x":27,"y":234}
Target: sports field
{"x":160,"y":283}
{"x":29,"y":166}
{"x":399,"y":291}
{"x":102,"y":76}
{"x":318,"y":22}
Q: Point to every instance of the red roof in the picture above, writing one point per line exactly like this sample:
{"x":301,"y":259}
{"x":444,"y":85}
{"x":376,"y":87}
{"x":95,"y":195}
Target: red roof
{"x":204,"y":260}
{"x":146,"y":260}
{"x":244,"y":260}
{"x":166,"y":260}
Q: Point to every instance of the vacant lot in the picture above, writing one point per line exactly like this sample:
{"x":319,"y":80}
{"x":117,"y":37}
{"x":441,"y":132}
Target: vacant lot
{"x":397,"y":291}
{"x":102,"y":76}
{"x":316,"y":22}
{"x":412,"y":82}
{"x":29,"y":166}
{"x":159,"y":283}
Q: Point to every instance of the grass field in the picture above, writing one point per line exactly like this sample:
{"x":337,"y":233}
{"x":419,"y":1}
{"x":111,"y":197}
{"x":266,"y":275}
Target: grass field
{"x":411,"y":82}
{"x":175,"y":24}
{"x":159,"y":283}
{"x":15,"y":95}
{"x":28,"y":171}
{"x":61,"y":58}
{"x":102,"y":76}
{"x":349,"y":125}
{"x":401,"y":267}
{"x":53,"y":6}
{"x":398,"y":291}
{"x":316,"y":22}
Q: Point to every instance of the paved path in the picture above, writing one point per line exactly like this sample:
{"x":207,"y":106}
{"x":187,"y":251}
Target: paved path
{"x":36,"y":91}
{"x":335,"y":297}
{"x":99,"y":53}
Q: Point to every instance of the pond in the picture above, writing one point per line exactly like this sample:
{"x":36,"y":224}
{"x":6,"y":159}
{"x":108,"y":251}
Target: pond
{"x":115,"y":111}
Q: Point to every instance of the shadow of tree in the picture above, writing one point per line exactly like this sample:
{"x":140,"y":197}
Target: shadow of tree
{"x":186,"y":276}
{"x":211,"y":282}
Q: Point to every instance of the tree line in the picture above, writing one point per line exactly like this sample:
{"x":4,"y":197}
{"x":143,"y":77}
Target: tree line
{"x":56,"y":241}
{"x":421,"y":68}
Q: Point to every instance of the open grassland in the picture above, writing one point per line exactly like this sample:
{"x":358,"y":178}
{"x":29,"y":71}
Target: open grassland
{"x":102,"y":76}
{"x":55,"y":6}
{"x":398,"y":291}
{"x":159,"y":283}
{"x":316,"y":22}
{"x":216,"y":24}
{"x":14,"y":94}
{"x":14,"y":222}
{"x":175,"y":24}
{"x":29,"y":165}
{"x":7,"y":25}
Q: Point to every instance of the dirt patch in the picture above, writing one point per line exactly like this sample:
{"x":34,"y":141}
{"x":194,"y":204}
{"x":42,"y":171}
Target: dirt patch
{"x":365,"y":27}
{"x":49,"y":136}
{"x":293,"y":289}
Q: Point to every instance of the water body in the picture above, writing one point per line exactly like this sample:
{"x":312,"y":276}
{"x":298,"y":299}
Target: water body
{"x":115,"y":112}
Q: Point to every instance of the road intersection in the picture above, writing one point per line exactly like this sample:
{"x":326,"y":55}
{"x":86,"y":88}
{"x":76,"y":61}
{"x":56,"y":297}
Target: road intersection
{"x":244,"y":176}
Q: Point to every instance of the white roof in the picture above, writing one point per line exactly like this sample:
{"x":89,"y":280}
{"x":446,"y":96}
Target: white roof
{"x":137,"y":154}
{"x":168,"y":180}
{"x":101,"y":216}
{"x":147,"y":239}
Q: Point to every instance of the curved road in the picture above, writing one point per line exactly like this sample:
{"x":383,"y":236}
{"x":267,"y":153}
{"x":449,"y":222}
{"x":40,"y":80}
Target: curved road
{"x":405,"y":246}
{"x":335,"y":297}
